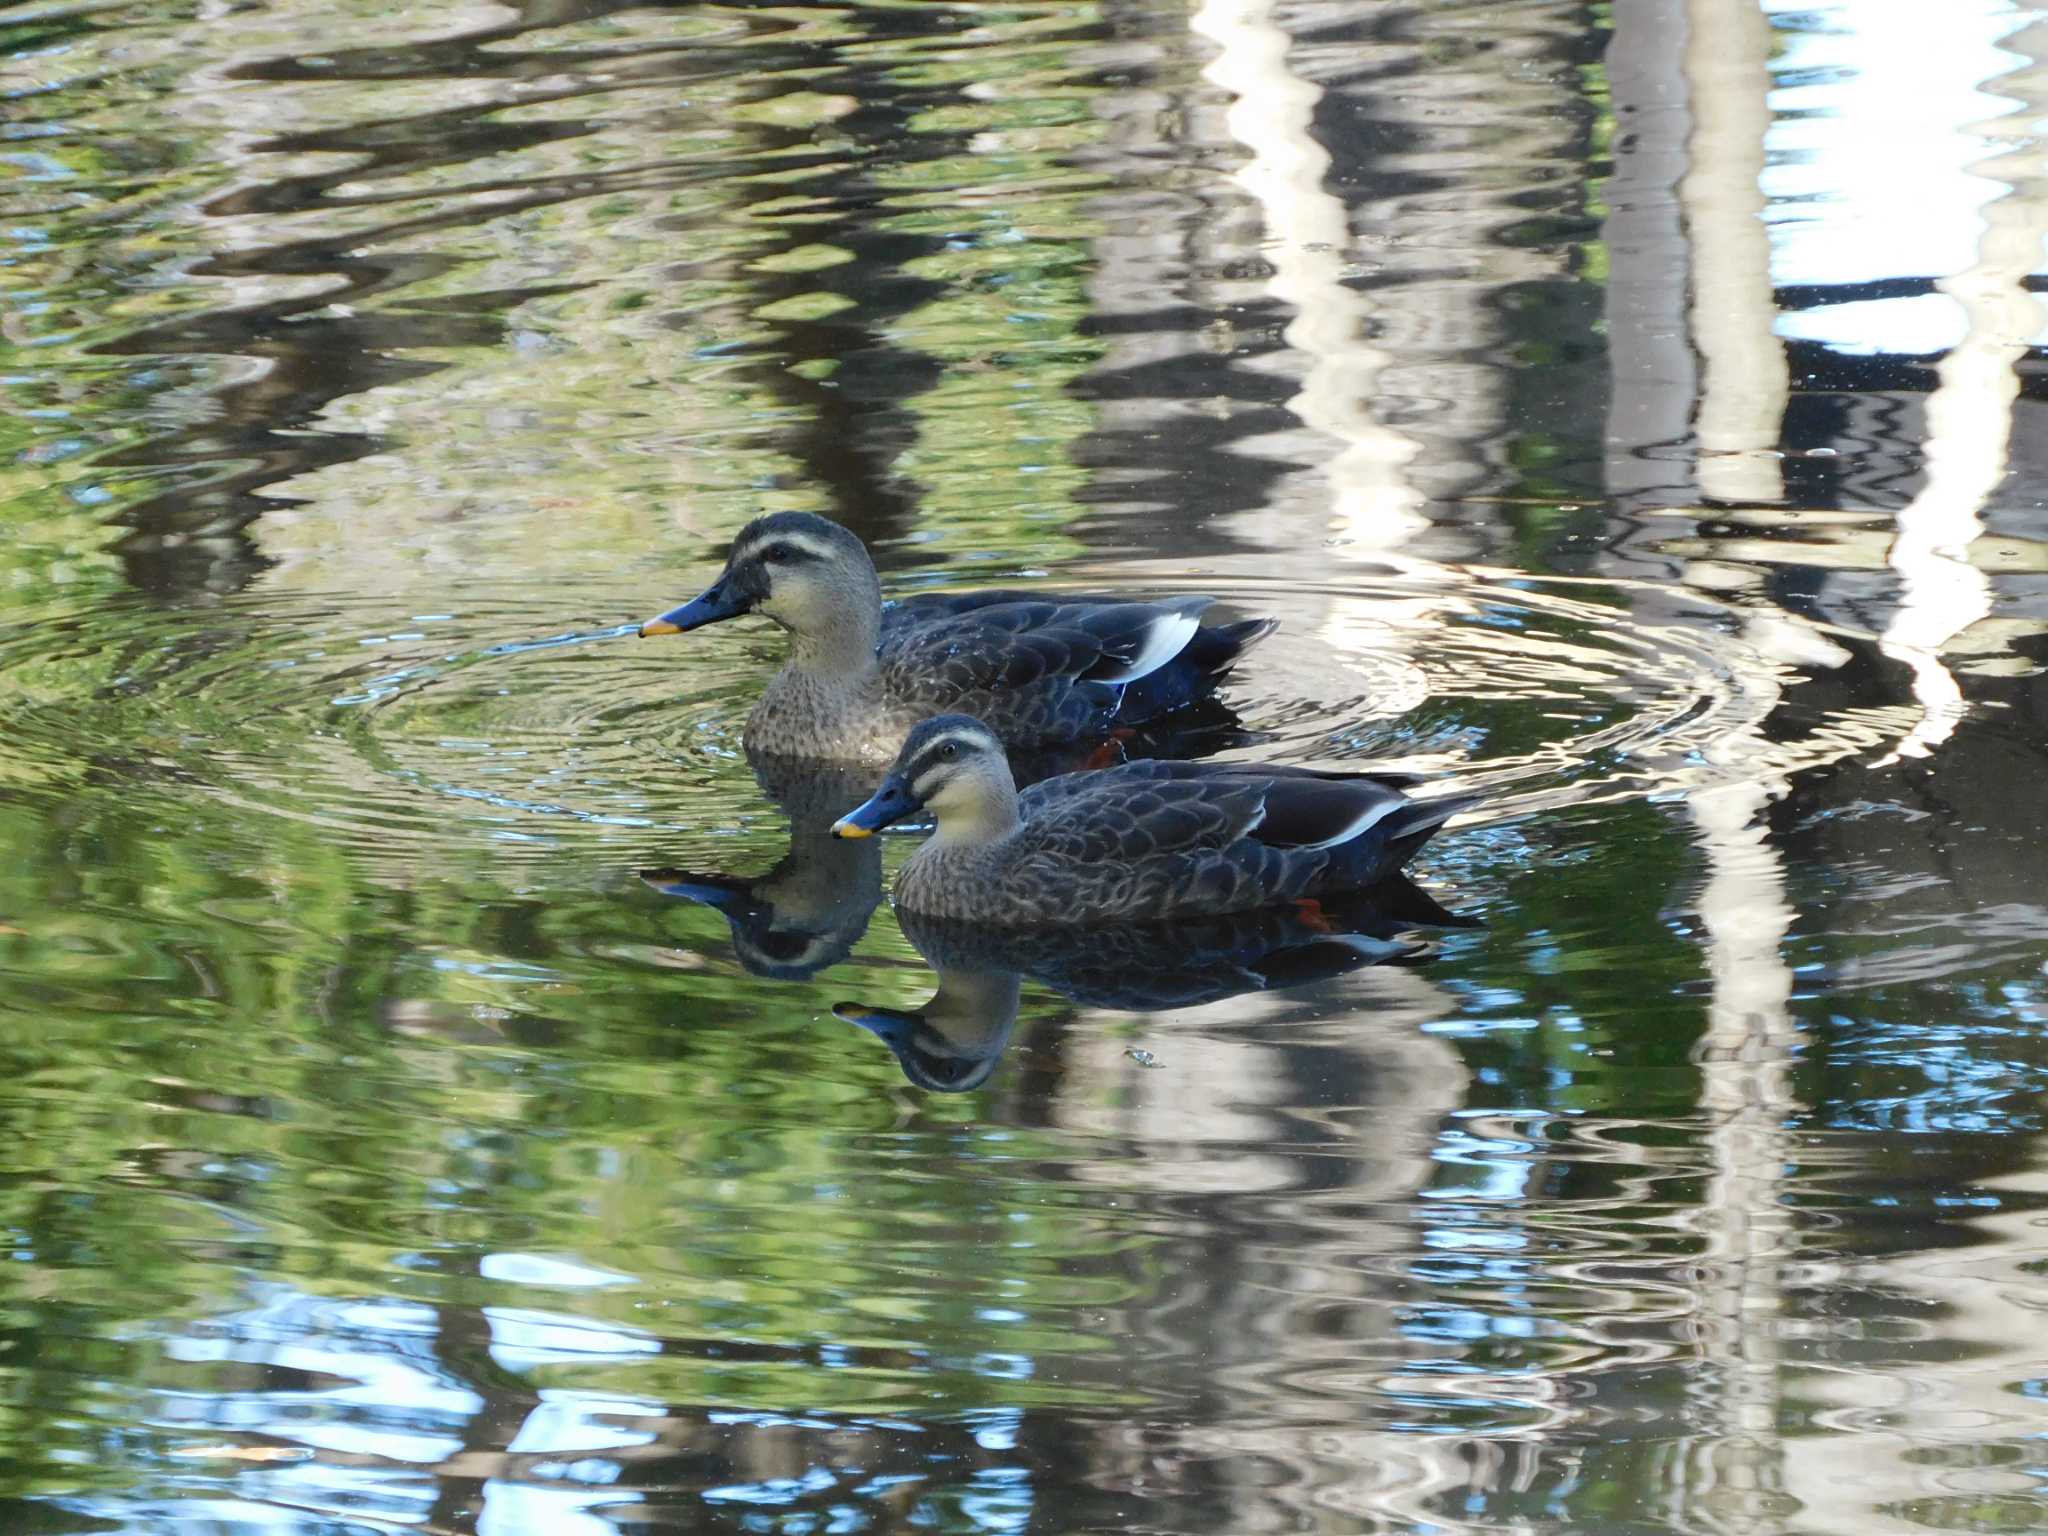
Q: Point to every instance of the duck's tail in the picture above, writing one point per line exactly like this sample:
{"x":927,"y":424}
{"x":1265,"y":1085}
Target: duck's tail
{"x":1192,"y":676}
{"x":1216,"y":647}
{"x":1363,"y":856}
{"x":1408,"y":828}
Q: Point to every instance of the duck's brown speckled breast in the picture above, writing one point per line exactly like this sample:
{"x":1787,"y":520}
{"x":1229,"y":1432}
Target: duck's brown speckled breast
{"x":962,"y":884}
{"x":992,"y":885}
{"x":801,"y":715}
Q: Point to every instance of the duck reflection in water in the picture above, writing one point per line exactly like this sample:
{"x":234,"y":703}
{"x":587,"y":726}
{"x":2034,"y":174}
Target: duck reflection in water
{"x":809,"y":911}
{"x":953,"y":1042}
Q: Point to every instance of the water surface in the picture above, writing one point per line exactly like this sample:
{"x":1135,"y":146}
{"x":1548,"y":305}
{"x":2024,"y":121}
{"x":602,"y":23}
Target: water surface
{"x":1630,"y":412}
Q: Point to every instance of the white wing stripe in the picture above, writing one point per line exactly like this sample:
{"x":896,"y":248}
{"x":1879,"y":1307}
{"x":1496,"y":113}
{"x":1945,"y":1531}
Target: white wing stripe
{"x":1165,"y":638}
{"x":1371,"y":815}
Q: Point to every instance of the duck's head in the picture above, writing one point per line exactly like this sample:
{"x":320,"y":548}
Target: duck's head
{"x":785,"y":945}
{"x":952,"y":764}
{"x":803,"y":571}
{"x":954,"y":1041}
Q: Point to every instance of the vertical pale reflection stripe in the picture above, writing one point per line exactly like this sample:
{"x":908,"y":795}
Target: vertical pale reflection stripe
{"x":1308,"y":238}
{"x":1745,"y":1053}
{"x":1653,"y":381}
{"x":1746,"y":1100}
{"x":1865,"y":1474}
{"x":1969,"y":415}
{"x":1745,"y":380}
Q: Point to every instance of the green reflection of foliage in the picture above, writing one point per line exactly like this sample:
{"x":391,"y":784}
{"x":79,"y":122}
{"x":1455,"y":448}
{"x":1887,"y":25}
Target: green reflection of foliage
{"x":255,"y":1049}
{"x":242,"y":1055}
{"x":1008,"y":327}
{"x":1603,"y":1029}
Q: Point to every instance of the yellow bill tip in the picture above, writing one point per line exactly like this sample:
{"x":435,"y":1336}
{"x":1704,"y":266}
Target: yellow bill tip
{"x":659,"y":627}
{"x":848,"y":829}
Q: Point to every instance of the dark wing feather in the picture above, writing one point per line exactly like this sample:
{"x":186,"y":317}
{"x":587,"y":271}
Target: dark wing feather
{"x":1312,"y":813}
{"x":1017,"y":645}
{"x":930,"y":607}
{"x":1156,"y":838}
{"x":1298,"y":809}
{"x":1134,"y":843}
{"x":1128,"y":813}
{"x":1042,"y":796}
{"x":1174,"y":768}
{"x":1069,"y":664}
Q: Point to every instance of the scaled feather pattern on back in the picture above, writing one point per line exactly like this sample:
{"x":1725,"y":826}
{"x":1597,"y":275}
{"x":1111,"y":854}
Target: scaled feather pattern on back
{"x":1159,"y":840}
{"x":1020,"y":645}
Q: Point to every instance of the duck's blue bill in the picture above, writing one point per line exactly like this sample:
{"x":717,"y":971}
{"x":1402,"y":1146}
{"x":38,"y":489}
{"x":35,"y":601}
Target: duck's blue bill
{"x":886,"y":1022}
{"x":708,"y":889}
{"x":892,"y":802}
{"x":705,"y":608}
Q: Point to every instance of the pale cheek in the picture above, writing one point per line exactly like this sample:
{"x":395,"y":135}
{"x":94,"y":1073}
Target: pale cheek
{"x":793,"y":603}
{"x":947,"y":796}
{"x":963,"y":791}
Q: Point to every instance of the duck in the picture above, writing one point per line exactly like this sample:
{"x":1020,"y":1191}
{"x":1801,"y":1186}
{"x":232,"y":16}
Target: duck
{"x":1151,"y":840}
{"x":1039,"y":670}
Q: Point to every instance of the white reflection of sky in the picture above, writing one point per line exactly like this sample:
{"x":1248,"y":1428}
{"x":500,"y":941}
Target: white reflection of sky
{"x":551,"y":1271}
{"x":567,"y":1424}
{"x":526,"y":1509}
{"x":382,"y":1350}
{"x":1870,"y":148}
{"x":399,"y":1406}
{"x":525,"y":1339}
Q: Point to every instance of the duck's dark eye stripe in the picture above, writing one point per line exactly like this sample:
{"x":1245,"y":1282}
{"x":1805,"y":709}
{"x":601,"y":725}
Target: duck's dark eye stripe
{"x":936,"y":754}
{"x":782,"y":550}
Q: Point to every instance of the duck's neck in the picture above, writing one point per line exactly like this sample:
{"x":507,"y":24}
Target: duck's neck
{"x":839,"y":639}
{"x":973,"y":1010}
{"x":978,"y":814}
